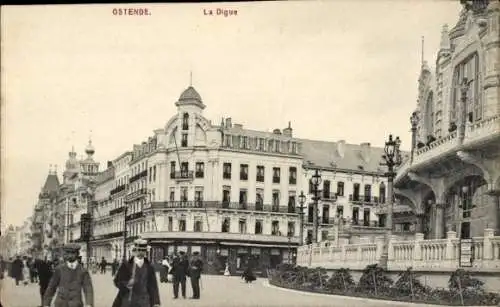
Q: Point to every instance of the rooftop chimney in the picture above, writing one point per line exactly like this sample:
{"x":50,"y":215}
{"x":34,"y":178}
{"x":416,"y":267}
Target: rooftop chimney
{"x":110,"y":164}
{"x":365,"y":152}
{"x":229,"y":123}
{"x":288,"y":131}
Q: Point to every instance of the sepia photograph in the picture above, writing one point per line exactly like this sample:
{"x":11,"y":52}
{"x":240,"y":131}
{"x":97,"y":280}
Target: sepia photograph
{"x":262,"y":153}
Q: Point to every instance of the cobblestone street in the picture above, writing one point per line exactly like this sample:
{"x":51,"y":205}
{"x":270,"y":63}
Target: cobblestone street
{"x":218,"y":291}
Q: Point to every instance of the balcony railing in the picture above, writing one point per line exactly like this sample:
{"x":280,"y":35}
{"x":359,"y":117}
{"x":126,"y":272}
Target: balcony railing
{"x":111,"y":235}
{"x":483,"y":129}
{"x":328,"y":196}
{"x":260,"y":178}
{"x":116,"y":211}
{"x":136,"y":194}
{"x":118,"y":189}
{"x":199,"y":174}
{"x":368,"y":199}
{"x":136,"y":177}
{"x":220,"y":205}
{"x":183,"y":175}
{"x":134,"y":216}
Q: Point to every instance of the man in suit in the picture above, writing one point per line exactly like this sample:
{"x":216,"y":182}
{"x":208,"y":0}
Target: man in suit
{"x":44,"y":270}
{"x":179,"y":271}
{"x":136,"y":280}
{"x":195,"y":270}
{"x":69,"y":279}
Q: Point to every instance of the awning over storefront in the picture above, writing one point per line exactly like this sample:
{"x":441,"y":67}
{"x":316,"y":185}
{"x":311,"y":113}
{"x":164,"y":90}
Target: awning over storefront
{"x":253,"y":244}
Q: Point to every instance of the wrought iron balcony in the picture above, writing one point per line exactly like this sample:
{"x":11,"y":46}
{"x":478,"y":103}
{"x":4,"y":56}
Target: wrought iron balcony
{"x":119,"y":189}
{"x":183,"y":175}
{"x":220,"y":205}
{"x":329,"y":196}
{"x":136,"y":177}
{"x":136,"y":194}
{"x":116,"y":211}
{"x":134,"y":216}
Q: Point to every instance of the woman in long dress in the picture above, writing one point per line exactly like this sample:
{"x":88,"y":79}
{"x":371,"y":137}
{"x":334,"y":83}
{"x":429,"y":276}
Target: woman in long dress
{"x":26,"y":271}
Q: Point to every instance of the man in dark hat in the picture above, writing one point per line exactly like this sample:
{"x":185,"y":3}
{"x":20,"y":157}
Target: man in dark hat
{"x":136,"y":280}
{"x":179,"y":271}
{"x":44,"y":270}
{"x":69,"y":279}
{"x":195,"y":270}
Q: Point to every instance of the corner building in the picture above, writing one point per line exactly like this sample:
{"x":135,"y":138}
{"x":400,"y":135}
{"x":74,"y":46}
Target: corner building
{"x":232,"y":193}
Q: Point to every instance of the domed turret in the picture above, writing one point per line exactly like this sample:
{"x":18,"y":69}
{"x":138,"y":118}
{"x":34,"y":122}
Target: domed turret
{"x":72,"y":162}
{"x":89,"y":150}
{"x":190,"y":94}
{"x":190,"y":97}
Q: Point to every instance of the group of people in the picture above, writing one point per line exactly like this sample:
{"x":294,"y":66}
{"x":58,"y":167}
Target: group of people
{"x":135,"y":279}
{"x":180,"y":268}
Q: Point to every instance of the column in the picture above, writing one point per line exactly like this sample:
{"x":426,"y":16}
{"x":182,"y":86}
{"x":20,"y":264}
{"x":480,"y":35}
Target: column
{"x":420,"y":223}
{"x":439,"y":221}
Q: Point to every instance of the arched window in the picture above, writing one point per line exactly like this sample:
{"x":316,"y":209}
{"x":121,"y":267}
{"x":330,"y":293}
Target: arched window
{"x":185,"y":121}
{"x":468,"y":68}
{"x":429,"y":115}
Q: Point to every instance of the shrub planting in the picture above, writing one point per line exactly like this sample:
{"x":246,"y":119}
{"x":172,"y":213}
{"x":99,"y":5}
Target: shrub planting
{"x":463,"y":289}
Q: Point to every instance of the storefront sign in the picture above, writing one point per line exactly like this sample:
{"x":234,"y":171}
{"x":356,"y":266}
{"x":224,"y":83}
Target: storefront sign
{"x":465,"y":252}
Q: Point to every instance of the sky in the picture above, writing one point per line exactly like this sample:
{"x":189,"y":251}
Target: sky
{"x":338,"y":70}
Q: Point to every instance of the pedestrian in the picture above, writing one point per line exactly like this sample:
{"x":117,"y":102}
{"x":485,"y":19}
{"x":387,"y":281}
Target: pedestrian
{"x":195,"y":269}
{"x":104,"y":264}
{"x":114,"y":266}
{"x":136,"y":280}
{"x":26,"y":271}
{"x":179,"y":271}
{"x":44,"y":270}
{"x":69,"y":279}
{"x":17,"y":270}
{"x":248,"y":274}
{"x":3,"y":267}
{"x":165,"y":269}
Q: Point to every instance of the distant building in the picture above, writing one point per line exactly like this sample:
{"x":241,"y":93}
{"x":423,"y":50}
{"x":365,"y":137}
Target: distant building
{"x":452,"y":181}
{"x":56,"y":217}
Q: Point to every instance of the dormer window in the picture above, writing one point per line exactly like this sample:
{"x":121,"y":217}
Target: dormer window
{"x":185,"y":121}
{"x":262,"y":143}
{"x":244,"y":142}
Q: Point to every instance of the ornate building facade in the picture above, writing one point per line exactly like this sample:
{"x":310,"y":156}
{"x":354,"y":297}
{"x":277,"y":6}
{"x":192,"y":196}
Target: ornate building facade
{"x":233,"y":193}
{"x":452,"y":180}
{"x":55,"y":219}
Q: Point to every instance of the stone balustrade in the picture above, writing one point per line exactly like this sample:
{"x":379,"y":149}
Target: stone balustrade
{"x":420,"y":254}
{"x":437,"y":148}
{"x":482,"y":129}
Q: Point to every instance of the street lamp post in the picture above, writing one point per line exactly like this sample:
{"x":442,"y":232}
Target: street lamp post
{"x":125,"y":210}
{"x":392,"y":159}
{"x":302,"y":200}
{"x":289,"y":246}
{"x":316,"y":181}
{"x":414,"y":123}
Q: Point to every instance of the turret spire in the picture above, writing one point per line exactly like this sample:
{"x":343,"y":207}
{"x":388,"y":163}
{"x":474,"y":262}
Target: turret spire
{"x":445,"y":38}
{"x":422,"y":53}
